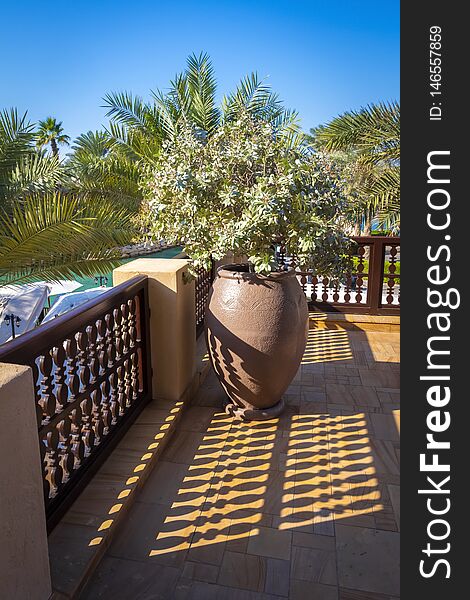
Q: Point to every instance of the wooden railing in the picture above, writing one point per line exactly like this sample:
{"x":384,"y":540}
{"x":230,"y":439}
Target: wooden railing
{"x":92,"y":375}
{"x":372,"y":286}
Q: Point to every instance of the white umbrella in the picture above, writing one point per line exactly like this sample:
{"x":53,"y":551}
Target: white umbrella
{"x":26,"y":307}
{"x":68,"y":301}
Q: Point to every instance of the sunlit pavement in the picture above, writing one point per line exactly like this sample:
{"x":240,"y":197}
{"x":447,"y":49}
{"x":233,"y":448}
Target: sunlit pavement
{"x":303,"y":506}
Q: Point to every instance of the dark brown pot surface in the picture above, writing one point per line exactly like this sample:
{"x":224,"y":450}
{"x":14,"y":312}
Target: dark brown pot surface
{"x":256,"y":332}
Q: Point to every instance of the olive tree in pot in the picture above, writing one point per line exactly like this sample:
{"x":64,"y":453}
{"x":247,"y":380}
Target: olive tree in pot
{"x":249,"y":191}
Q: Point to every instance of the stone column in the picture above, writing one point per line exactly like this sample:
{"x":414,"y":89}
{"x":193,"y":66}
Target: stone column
{"x":24,"y":559}
{"x":172,"y":322}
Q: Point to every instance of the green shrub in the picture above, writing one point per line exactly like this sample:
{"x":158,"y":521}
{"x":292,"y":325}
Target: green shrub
{"x":244,"y":190}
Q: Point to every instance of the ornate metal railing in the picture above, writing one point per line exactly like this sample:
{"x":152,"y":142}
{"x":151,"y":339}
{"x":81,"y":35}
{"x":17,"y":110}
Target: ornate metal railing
{"x":204,"y":280}
{"x":372,"y":286}
{"x":92,"y":375}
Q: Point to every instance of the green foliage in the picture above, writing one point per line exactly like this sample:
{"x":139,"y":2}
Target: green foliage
{"x":100,"y":168}
{"x":23,"y":170}
{"x":243,"y":189}
{"x":370,"y":138}
{"x":16,"y":138}
{"x":231,"y":176}
{"x":54,"y":236}
{"x":50,"y":131}
{"x":46,"y":230}
{"x":141,"y":127}
{"x":373,"y":130}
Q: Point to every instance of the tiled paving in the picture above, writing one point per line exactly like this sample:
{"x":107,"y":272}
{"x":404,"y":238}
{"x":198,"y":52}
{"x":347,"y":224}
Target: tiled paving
{"x":301,"y":507}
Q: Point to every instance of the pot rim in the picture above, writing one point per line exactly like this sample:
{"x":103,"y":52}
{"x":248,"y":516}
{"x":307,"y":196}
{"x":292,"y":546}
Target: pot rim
{"x":231,"y":271}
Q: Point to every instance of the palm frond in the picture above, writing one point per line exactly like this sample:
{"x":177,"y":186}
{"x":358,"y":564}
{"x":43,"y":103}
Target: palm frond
{"x":127,"y":109}
{"x":202,"y":86}
{"x":370,"y":141}
{"x":174,"y":106}
{"x":53,"y":236}
{"x":383,"y":187}
{"x":373,"y":130}
{"x":92,"y":143}
{"x":16,"y":139}
{"x":389,"y":218}
{"x":33,"y":173}
{"x":56,"y":268}
{"x":50,"y":131}
{"x":253,"y":96}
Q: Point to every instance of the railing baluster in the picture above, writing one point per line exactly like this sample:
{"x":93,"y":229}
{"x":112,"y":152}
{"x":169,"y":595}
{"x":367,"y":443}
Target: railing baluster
{"x":325,"y":283}
{"x":91,"y":375}
{"x":360,"y":289}
{"x":360,"y":273}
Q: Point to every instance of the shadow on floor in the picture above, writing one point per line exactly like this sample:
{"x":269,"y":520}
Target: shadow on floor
{"x":303,"y":506}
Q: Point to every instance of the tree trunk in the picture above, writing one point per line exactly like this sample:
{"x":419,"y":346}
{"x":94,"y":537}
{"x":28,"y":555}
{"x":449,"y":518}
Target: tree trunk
{"x":55,"y":150}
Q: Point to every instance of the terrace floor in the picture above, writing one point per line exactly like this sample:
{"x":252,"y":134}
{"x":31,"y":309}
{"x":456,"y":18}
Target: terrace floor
{"x":305,"y":506}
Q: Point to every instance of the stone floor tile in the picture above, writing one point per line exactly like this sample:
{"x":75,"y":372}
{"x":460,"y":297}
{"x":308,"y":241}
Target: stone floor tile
{"x":368,"y":559}
{"x":131,"y":580}
{"x":164,"y":483}
{"x":195,"y":590}
{"x":140,"y":437}
{"x":152,"y":532}
{"x":187,"y":589}
{"x":90,"y":511}
{"x":244,"y":571}
{"x":311,"y":540}
{"x":122,"y":463}
{"x":197,"y":418}
{"x":199,"y":571}
{"x":314,"y":564}
{"x":357,"y":520}
{"x":379,"y":378}
{"x":385,"y":427}
{"x":324,"y":526}
{"x":277,"y":577}
{"x":211,"y":393}
{"x":384,"y":458}
{"x":69,"y":553}
{"x":153,"y":415}
{"x":394,"y":491}
{"x":385,"y":519}
{"x":184,"y":446}
{"x":307,"y":590}
{"x":208,"y":553}
{"x":274,"y":543}
{"x":235,"y":506}
{"x":292,"y":523}
{"x":313,"y":395}
{"x":345,"y":594}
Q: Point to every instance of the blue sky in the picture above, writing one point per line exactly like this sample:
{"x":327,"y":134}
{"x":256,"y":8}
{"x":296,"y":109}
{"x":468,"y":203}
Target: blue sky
{"x":322,"y":56}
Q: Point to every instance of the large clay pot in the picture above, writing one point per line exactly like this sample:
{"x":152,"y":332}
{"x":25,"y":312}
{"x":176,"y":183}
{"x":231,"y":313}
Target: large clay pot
{"x":256,"y":331}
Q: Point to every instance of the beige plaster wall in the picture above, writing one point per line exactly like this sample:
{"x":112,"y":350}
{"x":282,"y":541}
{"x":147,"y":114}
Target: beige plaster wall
{"x":24,"y":560}
{"x":172,"y":322}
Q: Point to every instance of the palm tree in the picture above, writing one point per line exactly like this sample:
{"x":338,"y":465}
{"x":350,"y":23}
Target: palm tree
{"x":371,"y":138}
{"x":141,"y":127}
{"x":50,"y":131}
{"x":23,"y":170}
{"x":44,"y":233}
{"x":55,"y":236}
{"x":99,"y":167}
